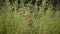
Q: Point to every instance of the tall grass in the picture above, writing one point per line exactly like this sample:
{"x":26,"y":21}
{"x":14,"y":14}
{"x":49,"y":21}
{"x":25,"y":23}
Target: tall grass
{"x":29,"y":20}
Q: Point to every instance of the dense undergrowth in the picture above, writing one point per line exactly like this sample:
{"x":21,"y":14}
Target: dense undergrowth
{"x":30,"y":17}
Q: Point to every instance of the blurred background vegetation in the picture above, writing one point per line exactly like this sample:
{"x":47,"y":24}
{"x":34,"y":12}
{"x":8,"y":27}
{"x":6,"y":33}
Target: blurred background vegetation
{"x":29,"y":16}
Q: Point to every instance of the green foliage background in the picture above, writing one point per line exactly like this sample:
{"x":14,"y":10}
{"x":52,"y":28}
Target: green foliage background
{"x":46,"y":20}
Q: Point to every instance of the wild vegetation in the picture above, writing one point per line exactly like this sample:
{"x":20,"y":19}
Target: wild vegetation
{"x":29,"y":16}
